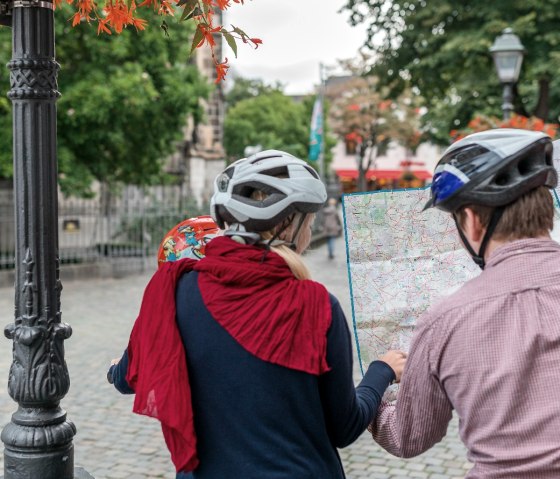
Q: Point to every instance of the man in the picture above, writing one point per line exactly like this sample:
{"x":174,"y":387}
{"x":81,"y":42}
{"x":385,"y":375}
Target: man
{"x":491,"y":351}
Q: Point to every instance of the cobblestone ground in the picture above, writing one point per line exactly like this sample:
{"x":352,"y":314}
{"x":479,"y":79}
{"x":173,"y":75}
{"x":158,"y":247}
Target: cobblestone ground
{"x":113,"y":443}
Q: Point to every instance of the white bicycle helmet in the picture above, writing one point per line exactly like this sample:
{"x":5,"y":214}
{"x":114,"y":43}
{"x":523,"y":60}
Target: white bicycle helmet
{"x":291,"y":186}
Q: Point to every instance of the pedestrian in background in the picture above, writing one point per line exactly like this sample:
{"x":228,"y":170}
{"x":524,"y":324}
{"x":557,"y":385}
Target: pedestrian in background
{"x":331,"y":226}
{"x":243,"y":358}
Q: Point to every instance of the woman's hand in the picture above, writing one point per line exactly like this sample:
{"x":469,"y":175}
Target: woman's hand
{"x":396,"y":360}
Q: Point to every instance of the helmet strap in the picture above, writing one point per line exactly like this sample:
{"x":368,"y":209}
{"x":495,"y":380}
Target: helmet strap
{"x":479,"y":258}
{"x":238,"y":234}
{"x":274,"y":240}
{"x":293,"y":244}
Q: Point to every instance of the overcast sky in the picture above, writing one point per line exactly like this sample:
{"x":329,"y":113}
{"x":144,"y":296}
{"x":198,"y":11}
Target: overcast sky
{"x":297,"y":35}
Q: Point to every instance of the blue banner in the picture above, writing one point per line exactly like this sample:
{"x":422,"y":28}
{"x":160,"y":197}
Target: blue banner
{"x":316,"y":136}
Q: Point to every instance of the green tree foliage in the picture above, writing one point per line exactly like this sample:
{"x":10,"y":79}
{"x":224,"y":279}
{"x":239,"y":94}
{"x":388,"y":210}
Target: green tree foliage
{"x":244,"y":88}
{"x":272,"y":120}
{"x":261,"y":114}
{"x":124,"y":102}
{"x":441,"y":48}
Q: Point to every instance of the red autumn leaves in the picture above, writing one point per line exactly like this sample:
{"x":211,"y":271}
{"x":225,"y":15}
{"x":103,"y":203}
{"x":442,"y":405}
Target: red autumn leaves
{"x":482,"y":123}
{"x":116,"y":15}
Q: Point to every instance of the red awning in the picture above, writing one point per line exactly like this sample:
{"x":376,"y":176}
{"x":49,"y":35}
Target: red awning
{"x":384,"y":174}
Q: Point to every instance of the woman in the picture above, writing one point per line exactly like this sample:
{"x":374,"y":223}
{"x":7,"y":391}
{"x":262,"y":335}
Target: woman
{"x":254,"y":378}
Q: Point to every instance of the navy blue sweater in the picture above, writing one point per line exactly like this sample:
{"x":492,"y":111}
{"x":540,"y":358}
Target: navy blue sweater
{"x":259,"y":420}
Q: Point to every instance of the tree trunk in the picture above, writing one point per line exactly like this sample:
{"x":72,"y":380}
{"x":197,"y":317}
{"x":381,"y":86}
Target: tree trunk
{"x":360,"y":155}
{"x":363,"y":167}
{"x":542,"y":108}
{"x":518,"y":105}
{"x":362,"y":180}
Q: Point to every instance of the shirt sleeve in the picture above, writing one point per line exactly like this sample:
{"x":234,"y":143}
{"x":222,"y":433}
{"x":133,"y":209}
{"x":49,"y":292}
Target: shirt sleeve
{"x":420,"y":417}
{"x":348,"y":410}
{"x":117,"y":372}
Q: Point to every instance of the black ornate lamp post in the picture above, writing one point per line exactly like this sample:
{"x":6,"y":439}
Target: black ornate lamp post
{"x":38,"y":440}
{"x":508,"y":52}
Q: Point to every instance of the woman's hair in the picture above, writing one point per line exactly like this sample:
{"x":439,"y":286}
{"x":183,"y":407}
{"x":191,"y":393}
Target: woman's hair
{"x":292,"y":258}
{"x":285,"y":231}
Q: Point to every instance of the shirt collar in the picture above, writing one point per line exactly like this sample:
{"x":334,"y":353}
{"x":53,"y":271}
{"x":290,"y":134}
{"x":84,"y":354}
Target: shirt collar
{"x":523,"y":246}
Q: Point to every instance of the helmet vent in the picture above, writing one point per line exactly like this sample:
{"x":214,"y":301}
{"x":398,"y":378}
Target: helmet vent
{"x":525,"y":166}
{"x":502,"y":179}
{"x":278,"y":172}
{"x":229,"y":171}
{"x":468,"y":153}
{"x":244,"y":191}
{"x":247,"y":190}
{"x":313,"y":172}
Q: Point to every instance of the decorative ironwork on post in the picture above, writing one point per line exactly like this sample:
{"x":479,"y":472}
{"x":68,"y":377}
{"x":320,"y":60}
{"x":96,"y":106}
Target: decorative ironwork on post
{"x":38,"y":440}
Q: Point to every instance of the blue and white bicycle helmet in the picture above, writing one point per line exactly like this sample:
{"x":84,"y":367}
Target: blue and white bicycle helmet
{"x":291,"y":186}
{"x":492,"y":168}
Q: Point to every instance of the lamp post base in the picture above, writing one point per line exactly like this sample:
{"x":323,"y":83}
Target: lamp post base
{"x":79,"y":473}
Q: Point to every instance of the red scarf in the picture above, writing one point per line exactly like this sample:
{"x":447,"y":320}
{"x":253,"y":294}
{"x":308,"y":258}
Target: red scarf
{"x":271,"y":314}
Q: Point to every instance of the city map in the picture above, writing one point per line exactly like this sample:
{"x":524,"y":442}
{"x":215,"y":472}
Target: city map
{"x":556,"y":159}
{"x":400,"y":260}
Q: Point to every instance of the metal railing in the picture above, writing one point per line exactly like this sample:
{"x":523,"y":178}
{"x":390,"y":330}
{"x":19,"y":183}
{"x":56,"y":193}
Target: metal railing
{"x":130,"y":223}
{"x":127,"y":224}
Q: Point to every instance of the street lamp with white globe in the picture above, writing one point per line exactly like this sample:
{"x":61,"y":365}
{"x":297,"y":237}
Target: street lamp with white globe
{"x":508,"y":52}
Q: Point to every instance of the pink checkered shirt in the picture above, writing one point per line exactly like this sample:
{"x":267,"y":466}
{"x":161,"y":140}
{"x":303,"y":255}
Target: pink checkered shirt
{"x":491,"y":351}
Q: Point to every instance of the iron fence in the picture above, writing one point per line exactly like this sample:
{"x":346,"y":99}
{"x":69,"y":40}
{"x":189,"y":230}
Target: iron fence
{"x":129,"y":223}
{"x":124,"y":224}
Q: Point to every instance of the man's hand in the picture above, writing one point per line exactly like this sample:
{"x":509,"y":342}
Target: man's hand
{"x":396,"y":360}
{"x":114,"y":362}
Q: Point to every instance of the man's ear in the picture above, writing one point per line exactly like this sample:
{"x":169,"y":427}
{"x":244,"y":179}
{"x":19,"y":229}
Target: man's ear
{"x":472,"y":225}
